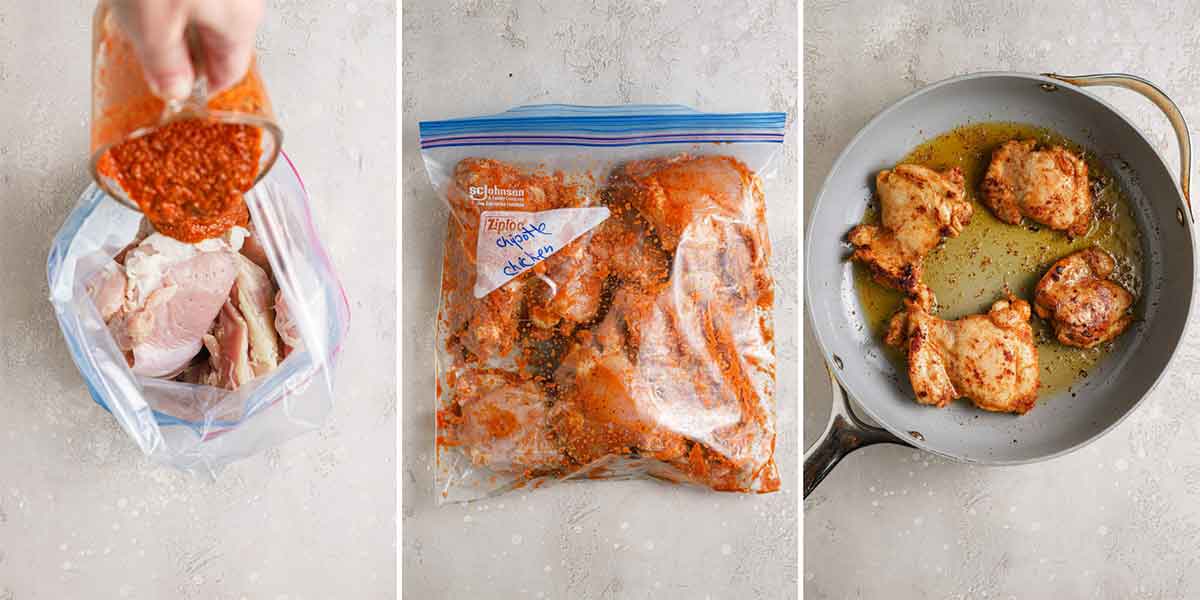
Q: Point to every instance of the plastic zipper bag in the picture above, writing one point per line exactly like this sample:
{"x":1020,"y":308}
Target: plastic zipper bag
{"x":606,"y":298}
{"x":200,"y":428}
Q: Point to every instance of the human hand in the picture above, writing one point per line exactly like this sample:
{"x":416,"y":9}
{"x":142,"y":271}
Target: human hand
{"x":224,"y":34}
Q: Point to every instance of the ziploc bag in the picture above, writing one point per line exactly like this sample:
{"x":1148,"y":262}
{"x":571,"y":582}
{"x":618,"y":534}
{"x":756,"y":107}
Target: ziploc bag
{"x":606,"y":298}
{"x":199,"y":428}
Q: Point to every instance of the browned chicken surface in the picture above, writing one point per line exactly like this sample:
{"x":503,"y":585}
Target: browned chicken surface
{"x":919,"y":207}
{"x":990,"y":359}
{"x":663,"y":313}
{"x":1078,"y":298}
{"x":1049,"y":186}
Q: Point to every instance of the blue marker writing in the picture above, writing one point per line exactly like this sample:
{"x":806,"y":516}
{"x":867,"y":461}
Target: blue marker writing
{"x":519,"y":238}
{"x":526,"y":260}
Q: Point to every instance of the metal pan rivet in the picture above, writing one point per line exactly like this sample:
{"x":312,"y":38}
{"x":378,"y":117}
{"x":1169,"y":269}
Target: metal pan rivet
{"x":1049,"y":87}
{"x":837,"y":360}
{"x":1179,"y":216}
{"x":917,"y":435}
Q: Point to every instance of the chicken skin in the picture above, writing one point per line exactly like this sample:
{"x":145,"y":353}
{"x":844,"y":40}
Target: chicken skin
{"x":1078,"y":298}
{"x":1049,"y":186}
{"x":919,"y":207}
{"x":500,"y":421}
{"x":990,"y":359}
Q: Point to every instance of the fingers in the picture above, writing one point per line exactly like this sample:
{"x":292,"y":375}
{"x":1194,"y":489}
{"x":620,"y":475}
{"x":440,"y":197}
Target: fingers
{"x":226,"y":34}
{"x":156,"y":29}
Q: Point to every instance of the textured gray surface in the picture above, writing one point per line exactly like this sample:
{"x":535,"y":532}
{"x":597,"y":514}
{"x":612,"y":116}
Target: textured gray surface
{"x":82,"y":514}
{"x":1117,"y":519}
{"x":598,"y":539}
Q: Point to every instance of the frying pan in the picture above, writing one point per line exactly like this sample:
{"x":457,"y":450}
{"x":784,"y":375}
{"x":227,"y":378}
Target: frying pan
{"x":1062,"y":422}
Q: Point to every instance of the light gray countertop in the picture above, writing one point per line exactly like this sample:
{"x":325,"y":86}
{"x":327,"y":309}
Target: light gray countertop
{"x":1118,"y":519}
{"x":593,"y":540}
{"x":82,"y":513}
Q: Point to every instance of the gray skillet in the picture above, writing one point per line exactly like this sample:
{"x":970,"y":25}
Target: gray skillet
{"x":1060,"y":423}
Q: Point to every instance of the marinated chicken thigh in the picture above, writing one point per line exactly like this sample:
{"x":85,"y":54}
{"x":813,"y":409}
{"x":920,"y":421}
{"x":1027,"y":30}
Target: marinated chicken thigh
{"x":671,"y":194}
{"x":1076,"y":295}
{"x":488,"y":327}
{"x":642,"y":383}
{"x":646,"y":341}
{"x":572,"y":287}
{"x":681,"y":367}
{"x":501,"y":423}
{"x":1049,"y":186}
{"x":990,"y":359}
{"x":605,"y":406}
{"x":919,"y":207}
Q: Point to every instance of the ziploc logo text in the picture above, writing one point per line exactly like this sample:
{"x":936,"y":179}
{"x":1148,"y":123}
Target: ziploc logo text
{"x":502,"y":225}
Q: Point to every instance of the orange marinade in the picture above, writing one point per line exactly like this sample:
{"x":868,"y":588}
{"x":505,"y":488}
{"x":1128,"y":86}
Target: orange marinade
{"x":188,"y":176}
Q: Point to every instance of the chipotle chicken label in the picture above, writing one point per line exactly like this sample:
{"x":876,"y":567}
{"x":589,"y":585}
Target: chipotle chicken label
{"x":513,"y":242}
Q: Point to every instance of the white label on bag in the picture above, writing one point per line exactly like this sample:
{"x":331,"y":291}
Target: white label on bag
{"x":512,"y":242}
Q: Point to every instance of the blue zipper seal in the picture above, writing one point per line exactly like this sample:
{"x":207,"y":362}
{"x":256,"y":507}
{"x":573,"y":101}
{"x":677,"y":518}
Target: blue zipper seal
{"x":603,"y":126}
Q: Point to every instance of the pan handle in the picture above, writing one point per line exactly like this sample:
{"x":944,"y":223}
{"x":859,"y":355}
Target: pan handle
{"x":1162,"y":101}
{"x":844,"y":434}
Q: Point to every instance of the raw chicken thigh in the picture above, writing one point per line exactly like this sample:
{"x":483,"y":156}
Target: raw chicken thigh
{"x":501,"y":422}
{"x":173,"y":293}
{"x":203,"y":313}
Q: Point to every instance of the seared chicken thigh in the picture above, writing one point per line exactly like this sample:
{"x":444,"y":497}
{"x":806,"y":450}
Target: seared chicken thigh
{"x":990,"y":359}
{"x":1076,"y":295}
{"x":1049,"y":186}
{"x":919,"y":207}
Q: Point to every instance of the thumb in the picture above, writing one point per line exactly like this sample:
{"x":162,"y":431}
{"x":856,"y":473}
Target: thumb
{"x":168,"y":69}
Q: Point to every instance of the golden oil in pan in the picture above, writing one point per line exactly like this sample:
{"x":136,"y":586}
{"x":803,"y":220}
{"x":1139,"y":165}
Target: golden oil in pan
{"x":969,"y":272}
